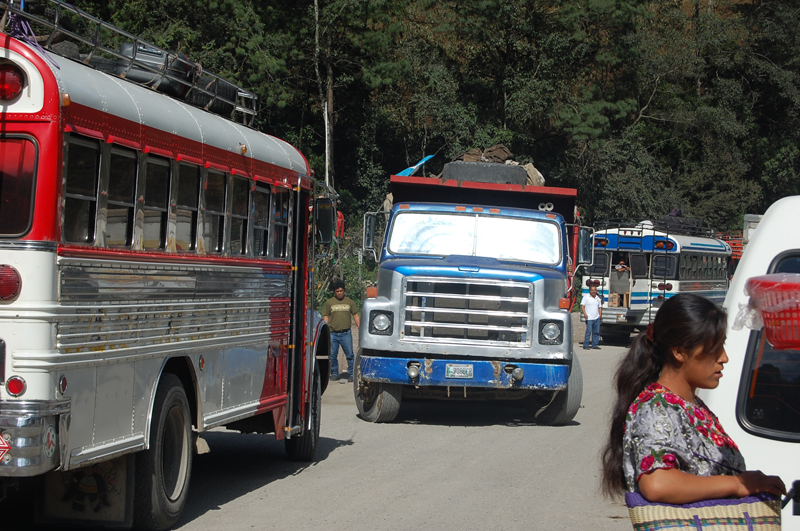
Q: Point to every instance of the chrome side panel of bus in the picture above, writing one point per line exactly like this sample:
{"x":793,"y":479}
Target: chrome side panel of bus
{"x":113,"y":328}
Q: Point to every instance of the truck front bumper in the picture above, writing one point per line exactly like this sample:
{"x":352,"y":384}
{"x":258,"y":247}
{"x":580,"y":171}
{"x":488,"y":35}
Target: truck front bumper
{"x":31,"y":429}
{"x":494,"y":374}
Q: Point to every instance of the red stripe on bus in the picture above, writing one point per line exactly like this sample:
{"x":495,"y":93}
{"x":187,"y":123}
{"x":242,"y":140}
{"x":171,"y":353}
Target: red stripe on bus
{"x":77,"y":251}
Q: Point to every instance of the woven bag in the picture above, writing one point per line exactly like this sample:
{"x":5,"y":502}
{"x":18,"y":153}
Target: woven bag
{"x":761,"y":512}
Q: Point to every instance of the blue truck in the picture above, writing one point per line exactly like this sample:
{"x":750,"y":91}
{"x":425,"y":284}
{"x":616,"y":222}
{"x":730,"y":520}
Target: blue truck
{"x":472,"y":300}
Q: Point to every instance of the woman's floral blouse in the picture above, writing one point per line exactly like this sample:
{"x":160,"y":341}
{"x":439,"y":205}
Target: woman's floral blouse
{"x":662,"y":430}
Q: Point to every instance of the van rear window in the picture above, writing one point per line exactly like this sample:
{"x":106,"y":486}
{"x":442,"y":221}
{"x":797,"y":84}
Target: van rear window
{"x":17,"y":172}
{"x":769,"y":396}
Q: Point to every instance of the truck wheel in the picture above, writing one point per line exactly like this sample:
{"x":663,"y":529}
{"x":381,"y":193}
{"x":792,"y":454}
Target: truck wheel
{"x":303,"y":447}
{"x":565,"y":405}
{"x":163,"y":471}
{"x":376,"y":402}
{"x":616,"y":338}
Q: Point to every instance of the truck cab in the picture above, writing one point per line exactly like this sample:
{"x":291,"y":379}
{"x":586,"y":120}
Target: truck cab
{"x":471,"y":299}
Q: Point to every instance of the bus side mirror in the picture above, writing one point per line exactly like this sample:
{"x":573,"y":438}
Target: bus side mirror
{"x":584,"y":246}
{"x":370,"y":219}
{"x":324,"y":214}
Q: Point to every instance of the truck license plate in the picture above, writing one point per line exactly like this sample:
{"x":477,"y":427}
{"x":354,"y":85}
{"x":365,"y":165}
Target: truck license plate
{"x":621,"y":319}
{"x":458,"y":370}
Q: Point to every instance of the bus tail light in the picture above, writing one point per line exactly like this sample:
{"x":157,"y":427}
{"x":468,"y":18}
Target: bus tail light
{"x":11,"y":82}
{"x":15,"y":386}
{"x":10,"y":282}
{"x":595,"y":283}
{"x":663,"y":287}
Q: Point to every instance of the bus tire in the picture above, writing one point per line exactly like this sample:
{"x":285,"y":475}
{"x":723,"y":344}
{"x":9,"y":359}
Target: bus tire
{"x":163,"y":471}
{"x":565,"y":404}
{"x":376,"y":402}
{"x":303,"y":447}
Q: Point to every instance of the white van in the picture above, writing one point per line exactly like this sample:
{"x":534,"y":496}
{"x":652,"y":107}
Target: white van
{"x":758,"y":399}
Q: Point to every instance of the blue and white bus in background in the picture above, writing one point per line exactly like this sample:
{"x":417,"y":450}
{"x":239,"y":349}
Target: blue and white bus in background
{"x":639,"y":264}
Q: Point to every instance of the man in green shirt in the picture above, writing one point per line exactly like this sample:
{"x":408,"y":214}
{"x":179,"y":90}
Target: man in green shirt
{"x":338,"y":310}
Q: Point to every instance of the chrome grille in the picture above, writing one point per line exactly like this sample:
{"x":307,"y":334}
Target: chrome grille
{"x":476,"y":312}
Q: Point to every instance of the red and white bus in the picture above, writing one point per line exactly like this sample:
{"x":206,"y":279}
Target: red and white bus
{"x":155,"y":272}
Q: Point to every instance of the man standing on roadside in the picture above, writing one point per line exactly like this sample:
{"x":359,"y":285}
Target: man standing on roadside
{"x":592,"y":309}
{"x":338,"y":310}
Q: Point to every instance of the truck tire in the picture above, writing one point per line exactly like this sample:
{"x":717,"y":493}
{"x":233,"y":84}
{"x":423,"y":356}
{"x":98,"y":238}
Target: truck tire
{"x":163,"y":471}
{"x":376,"y":402}
{"x":303,"y":447}
{"x":565,"y":405}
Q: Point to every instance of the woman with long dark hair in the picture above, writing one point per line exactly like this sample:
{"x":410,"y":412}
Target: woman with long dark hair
{"x":664,"y":442}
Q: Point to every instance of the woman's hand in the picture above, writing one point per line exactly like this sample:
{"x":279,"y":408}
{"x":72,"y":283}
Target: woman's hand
{"x":756,"y":482}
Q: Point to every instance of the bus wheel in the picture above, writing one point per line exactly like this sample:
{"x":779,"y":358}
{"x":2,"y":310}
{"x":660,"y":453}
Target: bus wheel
{"x":303,"y":447}
{"x":565,"y":404}
{"x":163,"y":471}
{"x":376,"y":402}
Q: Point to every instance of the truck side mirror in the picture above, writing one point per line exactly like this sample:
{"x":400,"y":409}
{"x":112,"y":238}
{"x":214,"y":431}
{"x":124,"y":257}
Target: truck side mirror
{"x":370,"y":219}
{"x":323,"y":212}
{"x":584,"y":246}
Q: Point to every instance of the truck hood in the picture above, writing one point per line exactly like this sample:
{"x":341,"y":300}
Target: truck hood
{"x":471,"y":267}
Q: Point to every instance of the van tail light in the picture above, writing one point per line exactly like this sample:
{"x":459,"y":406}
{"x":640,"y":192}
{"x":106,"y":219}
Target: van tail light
{"x":10,"y":282}
{"x":11,"y":82}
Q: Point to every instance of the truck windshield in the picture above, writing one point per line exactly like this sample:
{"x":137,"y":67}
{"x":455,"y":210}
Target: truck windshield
{"x":444,"y":234}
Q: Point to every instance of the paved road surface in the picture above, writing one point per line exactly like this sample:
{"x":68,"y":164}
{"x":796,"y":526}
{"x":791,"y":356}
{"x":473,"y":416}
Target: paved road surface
{"x":442,"y":465}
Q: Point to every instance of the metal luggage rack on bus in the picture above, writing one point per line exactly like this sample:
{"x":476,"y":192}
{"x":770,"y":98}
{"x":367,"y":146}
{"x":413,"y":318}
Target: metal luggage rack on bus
{"x":197,"y":87}
{"x":676,"y":225}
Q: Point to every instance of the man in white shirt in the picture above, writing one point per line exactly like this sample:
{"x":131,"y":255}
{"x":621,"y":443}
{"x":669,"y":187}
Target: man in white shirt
{"x":592,"y":309}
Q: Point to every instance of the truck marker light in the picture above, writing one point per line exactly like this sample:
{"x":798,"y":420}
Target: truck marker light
{"x":563,"y":304}
{"x":372,"y":292}
{"x":494,"y":210}
{"x":461,"y":209}
{"x":10,"y":282}
{"x":65,"y":99}
{"x":550,"y":216}
{"x":62,"y":384}
{"x":403,"y":207}
{"x":15,"y":386}
{"x":11,"y":82}
{"x":477,"y":209}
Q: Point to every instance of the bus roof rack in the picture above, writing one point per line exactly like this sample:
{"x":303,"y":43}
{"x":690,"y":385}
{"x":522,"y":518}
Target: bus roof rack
{"x":61,"y":28}
{"x":665,"y":224}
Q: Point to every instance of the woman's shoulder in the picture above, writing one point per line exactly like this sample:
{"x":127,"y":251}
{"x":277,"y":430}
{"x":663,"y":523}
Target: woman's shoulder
{"x":656,"y":398}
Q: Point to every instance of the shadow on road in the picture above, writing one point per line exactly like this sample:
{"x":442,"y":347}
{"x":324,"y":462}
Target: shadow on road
{"x":239,"y":464}
{"x":466,"y":413}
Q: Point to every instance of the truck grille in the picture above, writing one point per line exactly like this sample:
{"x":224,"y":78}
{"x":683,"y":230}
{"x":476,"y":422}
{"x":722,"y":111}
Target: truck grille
{"x":475,"y":312}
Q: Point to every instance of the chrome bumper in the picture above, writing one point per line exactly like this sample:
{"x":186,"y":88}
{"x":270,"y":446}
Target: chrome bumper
{"x":35,"y":432}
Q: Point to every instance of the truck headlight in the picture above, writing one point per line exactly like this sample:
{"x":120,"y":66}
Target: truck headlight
{"x":550,"y":332}
{"x":380,"y":322}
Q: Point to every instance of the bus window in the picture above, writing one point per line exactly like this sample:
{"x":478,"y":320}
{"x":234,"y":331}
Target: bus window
{"x":769,"y":396}
{"x":280,"y":222}
{"x":121,"y":197}
{"x":156,"y":203}
{"x":663,"y":267}
{"x":241,"y":193}
{"x":186,"y":214}
{"x":215,"y":212}
{"x":260,"y":221}
{"x":638,"y":266}
{"x":600,"y":266}
{"x":17,"y":170}
{"x":80,"y":194}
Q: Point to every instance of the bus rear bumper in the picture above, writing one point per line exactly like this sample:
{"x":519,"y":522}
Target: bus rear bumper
{"x":30,"y":430}
{"x":494,"y":374}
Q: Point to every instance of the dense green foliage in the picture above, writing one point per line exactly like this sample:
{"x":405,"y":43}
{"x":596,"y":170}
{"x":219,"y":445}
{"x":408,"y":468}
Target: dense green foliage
{"x":643,"y":105}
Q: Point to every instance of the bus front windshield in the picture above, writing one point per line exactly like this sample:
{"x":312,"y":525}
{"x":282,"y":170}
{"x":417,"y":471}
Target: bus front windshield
{"x":503,"y":238}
